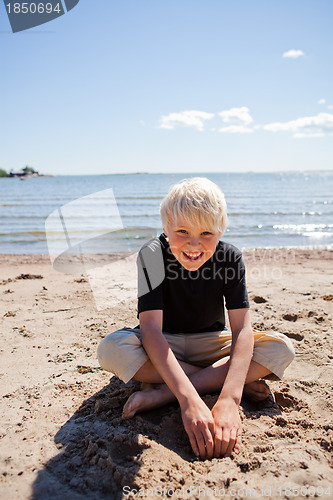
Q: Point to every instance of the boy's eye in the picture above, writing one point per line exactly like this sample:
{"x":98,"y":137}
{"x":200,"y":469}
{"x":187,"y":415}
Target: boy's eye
{"x":206,"y":233}
{"x":182,"y":231}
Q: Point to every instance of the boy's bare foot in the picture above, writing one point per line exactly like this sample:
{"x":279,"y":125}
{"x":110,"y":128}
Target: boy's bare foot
{"x":154,"y":395}
{"x":256,"y":391}
{"x":150,"y":396}
{"x":135,"y":403}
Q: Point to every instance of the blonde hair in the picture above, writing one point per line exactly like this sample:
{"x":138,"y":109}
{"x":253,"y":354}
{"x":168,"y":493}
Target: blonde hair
{"x":198,"y":201}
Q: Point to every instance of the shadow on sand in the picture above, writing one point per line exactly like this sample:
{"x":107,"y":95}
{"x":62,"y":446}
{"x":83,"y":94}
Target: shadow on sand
{"x":99,"y":453}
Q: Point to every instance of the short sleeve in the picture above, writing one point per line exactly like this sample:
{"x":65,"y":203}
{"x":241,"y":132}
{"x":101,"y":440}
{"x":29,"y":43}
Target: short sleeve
{"x":235,"y":292}
{"x":151,"y":274}
{"x":151,"y":301}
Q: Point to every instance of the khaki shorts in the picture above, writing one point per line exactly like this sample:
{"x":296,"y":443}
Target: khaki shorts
{"x":123,"y":354}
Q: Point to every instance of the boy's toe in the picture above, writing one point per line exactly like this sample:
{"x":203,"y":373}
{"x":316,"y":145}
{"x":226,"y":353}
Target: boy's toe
{"x":256,"y":391}
{"x":129,"y":408}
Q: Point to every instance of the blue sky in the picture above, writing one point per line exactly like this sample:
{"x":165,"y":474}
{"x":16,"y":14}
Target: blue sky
{"x":170,"y":86}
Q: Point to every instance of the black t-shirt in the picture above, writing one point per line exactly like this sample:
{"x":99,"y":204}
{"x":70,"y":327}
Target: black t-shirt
{"x":191,"y":301}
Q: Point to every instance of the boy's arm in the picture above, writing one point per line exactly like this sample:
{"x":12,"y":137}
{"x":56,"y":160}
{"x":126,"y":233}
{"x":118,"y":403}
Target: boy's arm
{"x":197,"y":417}
{"x":225,"y":412}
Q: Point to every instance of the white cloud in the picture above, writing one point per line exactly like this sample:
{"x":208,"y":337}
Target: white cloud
{"x":293,"y":54}
{"x":308,"y":126}
{"x":322,"y":101}
{"x":194,"y":119}
{"x":236,"y":129}
{"x":237,"y":121}
{"x":237,"y":116}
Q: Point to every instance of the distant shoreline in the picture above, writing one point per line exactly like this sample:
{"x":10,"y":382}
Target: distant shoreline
{"x":192,"y":174}
{"x":25,"y":176}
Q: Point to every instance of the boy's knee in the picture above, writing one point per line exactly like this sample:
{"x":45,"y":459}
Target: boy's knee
{"x":102,"y":353}
{"x":108,"y":352}
{"x":121,"y":353}
{"x":290,"y":349}
{"x":276,"y":352}
{"x":287,"y":348}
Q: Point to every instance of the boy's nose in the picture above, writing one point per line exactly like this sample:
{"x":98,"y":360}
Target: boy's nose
{"x":194,"y":241}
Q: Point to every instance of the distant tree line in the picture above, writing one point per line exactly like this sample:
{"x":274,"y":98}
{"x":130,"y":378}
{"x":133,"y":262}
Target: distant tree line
{"x":26,"y":171}
{"x":29,"y":170}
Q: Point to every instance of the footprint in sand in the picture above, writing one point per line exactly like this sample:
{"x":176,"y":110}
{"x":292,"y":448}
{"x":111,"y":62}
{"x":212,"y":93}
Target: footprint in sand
{"x":259,"y":300}
{"x":290,"y":317}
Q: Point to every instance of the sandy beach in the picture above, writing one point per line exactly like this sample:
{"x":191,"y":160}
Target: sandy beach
{"x":61,"y":431}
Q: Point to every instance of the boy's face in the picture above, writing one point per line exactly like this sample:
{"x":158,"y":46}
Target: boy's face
{"x":192,"y":246}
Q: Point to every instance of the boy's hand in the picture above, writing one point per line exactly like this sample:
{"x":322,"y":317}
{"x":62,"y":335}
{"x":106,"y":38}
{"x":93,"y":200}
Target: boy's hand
{"x":199,"y":425}
{"x":228,"y":427}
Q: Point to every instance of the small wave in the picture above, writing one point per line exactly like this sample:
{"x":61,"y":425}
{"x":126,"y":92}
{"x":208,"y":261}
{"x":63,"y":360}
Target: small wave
{"x":312,"y":213}
{"x":288,"y":214}
{"x":302,"y":227}
{"x":19,"y":217}
{"x":140,"y":216}
{"x":317,"y":234}
{"x":322,"y":202}
{"x":139,"y":198}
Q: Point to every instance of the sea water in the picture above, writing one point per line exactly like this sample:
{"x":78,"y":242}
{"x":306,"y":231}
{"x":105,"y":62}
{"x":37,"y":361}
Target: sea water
{"x":284,"y":209}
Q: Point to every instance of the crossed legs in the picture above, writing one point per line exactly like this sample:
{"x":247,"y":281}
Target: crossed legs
{"x":156,"y":393}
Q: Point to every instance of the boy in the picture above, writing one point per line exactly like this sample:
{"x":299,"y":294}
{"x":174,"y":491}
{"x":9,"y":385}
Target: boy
{"x":181,"y":348}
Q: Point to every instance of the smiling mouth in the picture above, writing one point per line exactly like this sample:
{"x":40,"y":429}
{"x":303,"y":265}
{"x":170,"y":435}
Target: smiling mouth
{"x":193,"y":256}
